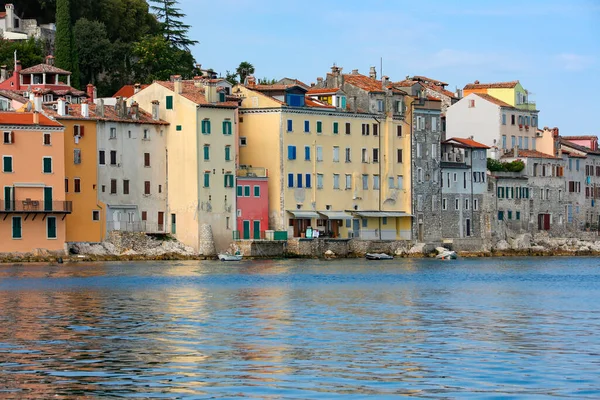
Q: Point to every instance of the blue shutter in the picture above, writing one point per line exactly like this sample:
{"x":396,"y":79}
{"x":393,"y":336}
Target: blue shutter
{"x":291,"y":152}
{"x":291,"y":180}
{"x":306,"y":126}
{"x":308,"y":185}
{"x":344,"y":102}
{"x":289,"y":125}
{"x":299,"y":180}
{"x":307,"y":153}
{"x":294,"y":152}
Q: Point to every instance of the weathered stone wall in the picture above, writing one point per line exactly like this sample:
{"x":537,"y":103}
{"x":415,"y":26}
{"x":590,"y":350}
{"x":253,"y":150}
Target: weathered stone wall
{"x":359,"y":247}
{"x":262,"y":248}
{"x":318,"y":247}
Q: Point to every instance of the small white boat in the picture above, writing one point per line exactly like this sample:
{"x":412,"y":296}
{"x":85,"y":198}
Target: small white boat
{"x":447,"y":255}
{"x":379,"y":256}
{"x":231,"y":257}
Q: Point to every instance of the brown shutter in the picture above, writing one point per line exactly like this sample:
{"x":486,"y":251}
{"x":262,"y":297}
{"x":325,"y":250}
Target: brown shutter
{"x":81,"y":130}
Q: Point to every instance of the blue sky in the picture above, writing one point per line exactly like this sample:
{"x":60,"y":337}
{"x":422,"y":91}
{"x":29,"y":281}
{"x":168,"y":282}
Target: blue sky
{"x":551,"y":47}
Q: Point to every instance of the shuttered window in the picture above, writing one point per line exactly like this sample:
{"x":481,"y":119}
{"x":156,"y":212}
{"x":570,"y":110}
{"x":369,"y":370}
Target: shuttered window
{"x":47,"y":165}
{"x":146,"y":159}
{"x":169,"y":102}
{"x":7,"y":165}
{"x":147,"y":187}
{"x":16,"y":228}
{"x":51,"y":227}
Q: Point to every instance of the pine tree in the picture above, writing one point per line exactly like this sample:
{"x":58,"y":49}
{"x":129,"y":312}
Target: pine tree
{"x":173,"y":28}
{"x":66,"y":51}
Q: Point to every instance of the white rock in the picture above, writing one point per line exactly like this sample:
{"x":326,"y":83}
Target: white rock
{"x":417,"y":248}
{"x":502,"y":245}
{"x":130,"y":252}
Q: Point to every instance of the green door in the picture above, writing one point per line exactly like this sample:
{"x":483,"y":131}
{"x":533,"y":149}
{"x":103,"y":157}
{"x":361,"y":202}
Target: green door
{"x":256,"y":230}
{"x":47,"y":199}
{"x":7,"y":198}
{"x":246,"y":230}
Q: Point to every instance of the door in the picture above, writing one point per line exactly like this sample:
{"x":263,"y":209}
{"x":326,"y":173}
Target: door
{"x":356,"y":228}
{"x":47,"y":199}
{"x":468,"y":227}
{"x":246,"y":233}
{"x":546,"y":222}
{"x":161,"y":221}
{"x":116,"y":220}
{"x":256,"y":230}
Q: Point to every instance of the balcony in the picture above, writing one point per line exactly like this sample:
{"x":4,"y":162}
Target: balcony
{"x":30,"y":206}
{"x":251,"y":172}
{"x":456,"y":160}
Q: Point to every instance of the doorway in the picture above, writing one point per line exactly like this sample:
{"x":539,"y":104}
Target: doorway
{"x":256,"y":230}
{"x":246,"y":232}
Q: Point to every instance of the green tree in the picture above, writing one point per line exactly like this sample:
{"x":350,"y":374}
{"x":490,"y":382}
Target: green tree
{"x":231,"y":77}
{"x":158,"y":59}
{"x":30,"y":52}
{"x":93,"y":48}
{"x":63,"y":54}
{"x":266,"y":81}
{"x":173,"y":28}
{"x":243,"y":70}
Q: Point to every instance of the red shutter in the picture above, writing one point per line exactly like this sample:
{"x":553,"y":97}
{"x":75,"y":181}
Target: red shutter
{"x":81,"y":130}
{"x":12,"y":137}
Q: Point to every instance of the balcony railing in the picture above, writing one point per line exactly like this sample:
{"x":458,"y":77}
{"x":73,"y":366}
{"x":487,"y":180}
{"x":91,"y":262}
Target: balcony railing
{"x":252,"y":172}
{"x":36,"y":206}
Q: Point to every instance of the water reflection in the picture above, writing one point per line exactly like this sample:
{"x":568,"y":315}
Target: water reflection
{"x":305,"y":329}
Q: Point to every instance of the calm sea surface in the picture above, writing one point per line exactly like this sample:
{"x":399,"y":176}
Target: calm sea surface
{"x":479,"y":328}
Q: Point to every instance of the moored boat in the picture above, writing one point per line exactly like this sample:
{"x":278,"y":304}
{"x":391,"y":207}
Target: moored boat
{"x":379,"y":256}
{"x":230,"y":257}
{"x":447,"y":255}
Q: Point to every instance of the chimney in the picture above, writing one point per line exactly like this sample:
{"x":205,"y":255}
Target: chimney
{"x":37,"y":101}
{"x":85,"y":109}
{"x":36,"y":118}
{"x":210,"y":92}
{"x":385,"y":81}
{"x":136,"y":88}
{"x":198,"y":81}
{"x":119,"y":107}
{"x":10,"y":17}
{"x":100,"y":108}
{"x":155,"y":110}
{"x":50,"y":60}
{"x":134,"y":111}
{"x":61,"y":107}
{"x":177,"y":84}
{"x":354,"y":72}
{"x":16,"y":75}
{"x":251,"y":81}
{"x":476,"y":82}
{"x":373,"y":73}
{"x":319,"y":81}
{"x":3,"y":73}
{"x":312,"y":84}
{"x":91,"y":92}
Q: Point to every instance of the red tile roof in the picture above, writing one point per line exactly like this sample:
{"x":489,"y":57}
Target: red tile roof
{"x":196,"y":94}
{"x":440,"y":89}
{"x":110,"y":114}
{"x":25,"y":118}
{"x":493,"y":100}
{"x":296,"y":81}
{"x":2,"y":15}
{"x":41,"y":68}
{"x":522,"y":153}
{"x":363,"y":82}
{"x":429,"y":80}
{"x":585,"y":137}
{"x":128,"y":91}
{"x":496,"y":85}
{"x":13,"y":96}
{"x":468,"y":143}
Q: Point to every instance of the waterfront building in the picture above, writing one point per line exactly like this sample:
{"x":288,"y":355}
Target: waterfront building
{"x":464,"y":185}
{"x":252,"y":203}
{"x":494,"y":121}
{"x":338,"y":155}
{"x":201,"y":145}
{"x":33,"y":207}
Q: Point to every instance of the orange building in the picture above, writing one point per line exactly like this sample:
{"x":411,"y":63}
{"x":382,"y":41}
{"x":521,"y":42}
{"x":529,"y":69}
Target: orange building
{"x":33,"y":205}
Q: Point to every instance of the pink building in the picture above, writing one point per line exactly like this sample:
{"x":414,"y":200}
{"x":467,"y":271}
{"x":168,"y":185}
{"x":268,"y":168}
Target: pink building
{"x":252,"y":203}
{"x":591,"y":142}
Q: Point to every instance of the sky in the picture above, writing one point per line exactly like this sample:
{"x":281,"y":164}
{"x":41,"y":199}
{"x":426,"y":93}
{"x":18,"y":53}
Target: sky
{"x":552,"y":47}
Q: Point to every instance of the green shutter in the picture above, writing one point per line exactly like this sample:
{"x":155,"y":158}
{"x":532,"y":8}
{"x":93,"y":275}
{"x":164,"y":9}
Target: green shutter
{"x":178,"y":127}
{"x":227,"y":153}
{"x":231,"y":180}
{"x":169,"y":102}
{"x":207,"y":179}
{"x":16,"y":228}
{"x":226,"y":127}
{"x":7,"y":198}
{"x":206,"y":153}
{"x":256,"y":191}
{"x":47,"y":199}
{"x":335,"y":128}
{"x":240,"y":191}
{"x":247,"y":191}
{"x":51,"y":227}
{"x":8,"y":164}
{"x":319,"y":126}
{"x":47,"y":165}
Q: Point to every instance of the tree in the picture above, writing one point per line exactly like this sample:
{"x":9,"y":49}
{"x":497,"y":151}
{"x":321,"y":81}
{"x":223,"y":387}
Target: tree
{"x":30,"y":52}
{"x":231,"y":77}
{"x":93,"y":48}
{"x":243,"y":70}
{"x":63,"y":35}
{"x":266,"y":81}
{"x":158,"y":59}
{"x":173,"y":28}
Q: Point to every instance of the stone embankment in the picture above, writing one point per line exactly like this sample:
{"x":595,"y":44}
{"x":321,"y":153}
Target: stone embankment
{"x":541,"y":244}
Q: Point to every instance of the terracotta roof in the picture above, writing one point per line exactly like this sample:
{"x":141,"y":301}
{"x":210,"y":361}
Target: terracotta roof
{"x":496,"y":85}
{"x":588,"y":137}
{"x":440,"y":89}
{"x":406,"y":83}
{"x":41,"y":68}
{"x":196,"y":94}
{"x":2,"y":15}
{"x":429,"y":80}
{"x":25,"y":118}
{"x":522,"y":153}
{"x":13,"y":96}
{"x":110,"y":114}
{"x":128,"y":91}
{"x":562,"y":140}
{"x":364,"y":82}
{"x":298,"y":82}
{"x":272,"y":88}
{"x":493,"y":100}
{"x":467,"y":143}
{"x":573,"y":155}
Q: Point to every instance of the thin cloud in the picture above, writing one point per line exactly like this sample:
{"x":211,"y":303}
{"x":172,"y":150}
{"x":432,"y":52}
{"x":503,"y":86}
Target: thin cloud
{"x":575,"y":62}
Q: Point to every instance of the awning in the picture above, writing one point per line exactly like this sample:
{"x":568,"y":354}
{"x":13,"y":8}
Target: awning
{"x":304,"y":214}
{"x":380,"y":214}
{"x":336,"y":214}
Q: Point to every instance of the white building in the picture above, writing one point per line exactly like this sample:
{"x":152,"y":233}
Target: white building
{"x":15,"y":28}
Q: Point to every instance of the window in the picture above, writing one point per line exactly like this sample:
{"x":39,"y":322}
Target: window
{"x":47,"y":164}
{"x":399,"y":156}
{"x":509,"y":212}
{"x":246,"y":190}
{"x":113,"y":157}
{"x":146,"y":135}
{"x":290,"y":180}
{"x":376,"y":182}
{"x":319,"y":127}
{"x":95,"y":215}
{"x":526,"y":143}
{"x":289,"y":125}
{"x":348,"y":154}
{"x":173,"y":224}
{"x":365,"y":182}
{"x":475,"y":204}
{"x":144,"y":215}
{"x":400,"y":182}
{"x":306,"y":126}
{"x":178,"y":128}
{"x":433,"y":124}
{"x":418,"y":150}
{"x":347,"y":128}
{"x":349,"y":181}
{"x":391,"y":182}
{"x":433,"y":150}
{"x":335,"y":128}
{"x":380,"y":105}
{"x":365,"y":129}
{"x":243,"y":141}
{"x":319,"y":181}
{"x":240,"y":191}
{"x":375,"y":129}
{"x":513,"y":141}
{"x":375,"y":155}
{"x":7,"y":164}
{"x":51,"y":227}
{"x":336,"y":181}
{"x":307,"y":153}
{"x":8,"y":137}
{"x":503,"y":119}
{"x":466,"y":204}
{"x":518,"y":215}
{"x":420,"y":123}
{"x":456,"y":204}
{"x":577,"y":165}
{"x":399,"y":131}
{"x":206,"y":127}
{"x":336,"y":154}
{"x":364,"y":156}
{"x":319,"y":153}
{"x":299,"y":181}
{"x":471,"y":103}
{"x":113,"y":133}
{"x":125,"y":186}
{"x":77,"y":185}
{"x":512,"y":119}
{"x":169,"y":102}
{"x":47,"y":139}
{"x":503,"y":141}
{"x":16,"y":228}
{"x":308,"y":183}
{"x":226,"y":127}
{"x":206,"y":179}
{"x":454,"y":178}
{"x":444,"y":204}
{"x":206,"y":152}
{"x":227,"y":153}
{"x":101,"y":157}
{"x":419,"y":175}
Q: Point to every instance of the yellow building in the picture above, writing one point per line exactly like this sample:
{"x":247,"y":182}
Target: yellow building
{"x":201,"y":158}
{"x":509,"y":92}
{"x":344,"y":173}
